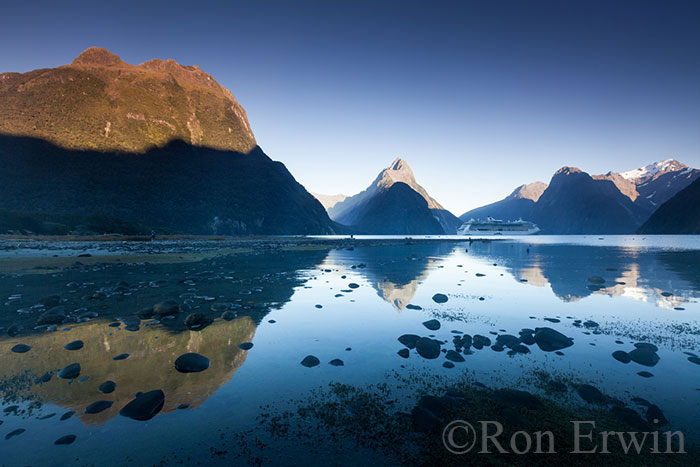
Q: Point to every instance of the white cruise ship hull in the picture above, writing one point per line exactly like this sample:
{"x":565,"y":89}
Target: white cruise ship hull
{"x":495,"y":230}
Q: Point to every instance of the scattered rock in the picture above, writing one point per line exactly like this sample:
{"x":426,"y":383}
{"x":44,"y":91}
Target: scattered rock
{"x":72,"y":371}
{"x":107,"y":387}
{"x":245,"y":346}
{"x":337,"y":362}
{"x":440,"y":298}
{"x":409,"y":340}
{"x":191,"y":363}
{"x":404,"y":353}
{"x":167,"y":307}
{"x":548,"y":340}
{"x":122,"y":356}
{"x":428,"y":348}
{"x":21,"y":348}
{"x":516,"y":398}
{"x":14,"y":433}
{"x":99,"y":406}
{"x":644,"y":355}
{"x":432,"y":324}
{"x":68,"y":439}
{"x":75,"y":345}
{"x":310,"y":361}
{"x":590,"y":393}
{"x":146,"y":405}
{"x":621,"y":356}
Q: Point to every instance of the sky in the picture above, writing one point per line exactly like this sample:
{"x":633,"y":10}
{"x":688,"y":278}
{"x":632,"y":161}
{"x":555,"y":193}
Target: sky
{"x":477,"y":96}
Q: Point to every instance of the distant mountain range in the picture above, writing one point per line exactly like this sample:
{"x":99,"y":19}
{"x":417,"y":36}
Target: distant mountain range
{"x":104,"y":146}
{"x":393,"y":204}
{"x":577,"y":203}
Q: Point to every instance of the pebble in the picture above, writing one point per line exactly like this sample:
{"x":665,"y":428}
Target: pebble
{"x":191,"y":363}
{"x":64,"y":440}
{"x":75,"y":345}
{"x":310,"y":361}
{"x":145,"y":406}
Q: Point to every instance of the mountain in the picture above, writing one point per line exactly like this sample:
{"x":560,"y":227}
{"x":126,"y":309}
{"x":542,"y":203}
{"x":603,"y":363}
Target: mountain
{"x":328,"y":201}
{"x":352,"y":210}
{"x":103,"y":146}
{"x":518,"y":205}
{"x":576,"y":203}
{"x":652,"y":185}
{"x":398,"y":210}
{"x":678,"y":215}
{"x":99,"y":102}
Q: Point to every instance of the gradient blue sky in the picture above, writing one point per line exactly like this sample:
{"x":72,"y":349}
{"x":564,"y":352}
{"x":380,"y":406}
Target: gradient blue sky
{"x":477,"y":96}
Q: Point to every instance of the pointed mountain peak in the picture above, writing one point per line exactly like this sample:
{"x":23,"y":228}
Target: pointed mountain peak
{"x":399,"y":164}
{"x":98,"y":56}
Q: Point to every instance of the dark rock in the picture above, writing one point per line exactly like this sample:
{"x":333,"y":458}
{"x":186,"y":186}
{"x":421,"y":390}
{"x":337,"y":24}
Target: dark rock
{"x":513,"y":418}
{"x":55,"y":315}
{"x":479,"y":341}
{"x":432,"y":324}
{"x":453,"y":356}
{"x":191,"y":363}
{"x":428,"y":348}
{"x":590,"y":324}
{"x":448,"y":364}
{"x":439,"y":298}
{"x":99,"y":406}
{"x":404,"y":353}
{"x":337,"y":362}
{"x":409,"y":340}
{"x":245,"y":346}
{"x":145,"y":406}
{"x":557,"y":386}
{"x":644,"y":356}
{"x":645,"y":374}
{"x":122,"y":356}
{"x":45,"y":378}
{"x":68,"y":439}
{"x":72,"y":371}
{"x":548,"y":340}
{"x":425,"y":421}
{"x":75,"y":345}
{"x":228,"y":315}
{"x":310,"y":361}
{"x":590,"y":393}
{"x":167,"y":307}
{"x":21,"y":348}
{"x":196,"y":320}
{"x":14,"y":433}
{"x":507,"y":340}
{"x":67,"y":415}
{"x":695,"y":360}
{"x":621,"y":356}
{"x":352,"y":285}
{"x":410,"y":306}
{"x":107,"y":387}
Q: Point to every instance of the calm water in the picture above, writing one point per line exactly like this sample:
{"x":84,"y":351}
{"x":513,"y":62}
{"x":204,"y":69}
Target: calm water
{"x":291,"y":304}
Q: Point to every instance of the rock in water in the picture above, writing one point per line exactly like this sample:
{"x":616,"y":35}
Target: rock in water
{"x":440,"y":298}
{"x":428,"y":348}
{"x":404,"y":353}
{"x":548,"y":340}
{"x":409,"y":340}
{"x":168,"y":307}
{"x":55,"y":315}
{"x":67,"y":415}
{"x":453,"y":356}
{"x":107,"y":387}
{"x":310,"y":361}
{"x":621,"y":356}
{"x":145,"y":406}
{"x":122,"y":356}
{"x":191,"y":363}
{"x":21,"y":348}
{"x":646,"y":356}
{"x":432,"y":324}
{"x":516,"y":398}
{"x":97,"y":407}
{"x":14,"y":433}
{"x":246,"y":346}
{"x":72,"y":371}
{"x":68,"y":439}
{"x":337,"y":362}
{"x":590,"y":393}
{"x":75,"y":345}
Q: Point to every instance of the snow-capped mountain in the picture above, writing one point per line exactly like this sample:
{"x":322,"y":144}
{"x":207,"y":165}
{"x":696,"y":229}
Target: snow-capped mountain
{"x":642,"y":174}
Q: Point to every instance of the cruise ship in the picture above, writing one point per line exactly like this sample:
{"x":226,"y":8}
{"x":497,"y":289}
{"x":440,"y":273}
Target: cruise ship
{"x":493,"y":226}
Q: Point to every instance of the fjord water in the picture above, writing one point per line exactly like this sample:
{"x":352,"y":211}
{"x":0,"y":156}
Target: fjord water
{"x":607,"y":293}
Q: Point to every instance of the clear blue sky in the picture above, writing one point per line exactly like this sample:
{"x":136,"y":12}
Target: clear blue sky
{"x":477,"y":96}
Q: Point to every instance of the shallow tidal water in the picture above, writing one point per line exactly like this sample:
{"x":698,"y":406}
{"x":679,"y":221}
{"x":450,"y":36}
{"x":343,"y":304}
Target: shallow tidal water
{"x":351,"y":304}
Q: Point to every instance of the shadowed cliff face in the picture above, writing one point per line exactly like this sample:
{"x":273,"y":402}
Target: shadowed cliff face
{"x":152,"y":352}
{"x":100,"y":102}
{"x":176,"y":188}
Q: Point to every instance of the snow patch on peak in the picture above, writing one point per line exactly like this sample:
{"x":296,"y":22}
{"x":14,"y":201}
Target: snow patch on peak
{"x":652,"y":170}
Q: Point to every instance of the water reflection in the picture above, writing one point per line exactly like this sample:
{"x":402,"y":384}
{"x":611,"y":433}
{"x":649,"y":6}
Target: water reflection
{"x":152,"y":352}
{"x":395,"y":272}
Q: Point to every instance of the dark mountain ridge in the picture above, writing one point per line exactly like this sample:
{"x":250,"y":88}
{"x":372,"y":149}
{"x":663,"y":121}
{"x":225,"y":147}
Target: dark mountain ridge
{"x":678,"y":215}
